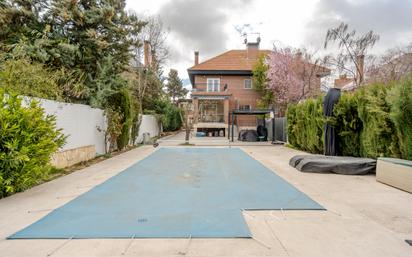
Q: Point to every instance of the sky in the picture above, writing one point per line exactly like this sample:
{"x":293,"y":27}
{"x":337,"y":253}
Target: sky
{"x":215,"y":26}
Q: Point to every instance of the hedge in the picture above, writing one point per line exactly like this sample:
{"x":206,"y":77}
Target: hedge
{"x":168,"y":113}
{"x":28,"y":138}
{"x":310,"y":117}
{"x":374,"y":121}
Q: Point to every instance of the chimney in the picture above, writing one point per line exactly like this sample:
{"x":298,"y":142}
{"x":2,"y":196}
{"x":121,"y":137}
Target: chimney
{"x":360,"y":59}
{"x":252,"y":48}
{"x":147,"y":54}
{"x":196,"y":57}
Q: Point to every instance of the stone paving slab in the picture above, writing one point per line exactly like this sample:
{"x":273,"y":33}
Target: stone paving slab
{"x":363,"y":217}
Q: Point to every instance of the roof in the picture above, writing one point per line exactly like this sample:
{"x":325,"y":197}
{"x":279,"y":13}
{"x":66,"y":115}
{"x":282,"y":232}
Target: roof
{"x":233,"y":60}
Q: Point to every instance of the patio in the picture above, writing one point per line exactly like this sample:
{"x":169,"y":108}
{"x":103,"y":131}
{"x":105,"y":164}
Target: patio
{"x":363,"y":217}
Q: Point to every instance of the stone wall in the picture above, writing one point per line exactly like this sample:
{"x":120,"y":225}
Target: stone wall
{"x":70,"y":157}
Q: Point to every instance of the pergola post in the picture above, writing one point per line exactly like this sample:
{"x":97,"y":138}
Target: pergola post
{"x":228,"y":126}
{"x":273,"y":125}
{"x":233,"y":118}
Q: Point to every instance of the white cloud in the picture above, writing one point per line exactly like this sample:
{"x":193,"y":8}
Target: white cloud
{"x":209,"y":26}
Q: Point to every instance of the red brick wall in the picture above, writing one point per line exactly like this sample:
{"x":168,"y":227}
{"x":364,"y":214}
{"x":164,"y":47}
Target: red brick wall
{"x":240,"y":95}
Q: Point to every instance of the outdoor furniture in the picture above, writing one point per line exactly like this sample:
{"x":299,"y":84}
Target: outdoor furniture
{"x":333,"y":164}
{"x":248,"y":135}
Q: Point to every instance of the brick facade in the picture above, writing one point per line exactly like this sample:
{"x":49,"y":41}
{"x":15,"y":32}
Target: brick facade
{"x":239,"y":96}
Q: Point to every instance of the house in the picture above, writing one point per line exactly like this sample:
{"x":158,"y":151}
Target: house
{"x":393,"y":67}
{"x":223,"y":84}
{"x":345,"y":83}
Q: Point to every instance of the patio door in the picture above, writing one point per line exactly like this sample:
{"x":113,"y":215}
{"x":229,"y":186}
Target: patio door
{"x":211,"y":111}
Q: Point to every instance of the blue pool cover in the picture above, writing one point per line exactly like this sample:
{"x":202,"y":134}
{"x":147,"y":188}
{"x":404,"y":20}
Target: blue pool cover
{"x":174,"y":192}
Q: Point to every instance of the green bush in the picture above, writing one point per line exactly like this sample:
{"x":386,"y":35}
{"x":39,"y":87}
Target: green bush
{"x":378,"y":137}
{"x":31,"y":79}
{"x":373,"y":121}
{"x":170,"y":114}
{"x":348,"y":125}
{"x":305,"y":125}
{"x":291,"y":124}
{"x":400,"y":101}
{"x":28,"y":138}
{"x":120,"y":102}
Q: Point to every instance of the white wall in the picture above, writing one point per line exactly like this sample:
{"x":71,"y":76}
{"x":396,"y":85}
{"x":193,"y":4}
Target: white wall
{"x":79,"y":123}
{"x":149,"y":125}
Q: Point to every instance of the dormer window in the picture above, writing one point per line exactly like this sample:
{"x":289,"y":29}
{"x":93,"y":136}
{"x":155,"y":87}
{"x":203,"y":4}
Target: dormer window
{"x":213,"y":84}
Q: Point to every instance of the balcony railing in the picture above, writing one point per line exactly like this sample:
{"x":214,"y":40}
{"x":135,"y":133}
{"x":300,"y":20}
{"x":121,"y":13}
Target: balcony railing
{"x":212,"y":118}
{"x":202,"y":87}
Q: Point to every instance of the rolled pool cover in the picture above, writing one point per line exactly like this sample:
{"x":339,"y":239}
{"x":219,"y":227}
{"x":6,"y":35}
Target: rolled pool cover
{"x":333,"y":164}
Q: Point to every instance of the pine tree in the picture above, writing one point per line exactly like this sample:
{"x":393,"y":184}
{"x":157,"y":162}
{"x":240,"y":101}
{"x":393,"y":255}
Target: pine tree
{"x":260,"y":83}
{"x":19,"y":19}
{"x":174,"y":86}
{"x":98,"y":28}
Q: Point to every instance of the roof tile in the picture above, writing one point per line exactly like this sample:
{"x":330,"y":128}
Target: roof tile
{"x":230,"y":60}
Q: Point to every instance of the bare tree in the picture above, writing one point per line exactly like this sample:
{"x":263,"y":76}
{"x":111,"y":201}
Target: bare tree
{"x":394,"y":65}
{"x":352,"y":50}
{"x":184,"y":115}
{"x":155,"y":33}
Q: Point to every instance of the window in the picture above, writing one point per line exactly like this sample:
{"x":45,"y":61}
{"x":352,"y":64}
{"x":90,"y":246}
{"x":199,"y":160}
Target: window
{"x":248,"y":84}
{"x":246,"y":107}
{"x":213,"y":85}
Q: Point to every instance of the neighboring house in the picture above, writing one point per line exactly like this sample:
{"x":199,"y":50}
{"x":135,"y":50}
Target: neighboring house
{"x":389,"y":69}
{"x":392,"y":68}
{"x":345,"y":83}
{"x":222,"y":84}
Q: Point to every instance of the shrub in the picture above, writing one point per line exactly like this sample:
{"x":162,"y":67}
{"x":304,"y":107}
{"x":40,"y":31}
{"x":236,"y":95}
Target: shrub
{"x":400,"y":102}
{"x":120,"y":102}
{"x":31,"y":79}
{"x":373,"y":121}
{"x":378,"y":137}
{"x":169,"y":114}
{"x":291,"y":124}
{"x":348,"y":124}
{"x":28,"y":138}
{"x":305,"y":125}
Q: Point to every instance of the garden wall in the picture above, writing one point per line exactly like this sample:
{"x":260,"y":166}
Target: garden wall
{"x":82,"y":124}
{"x":150,"y":125}
{"x":85,"y":128}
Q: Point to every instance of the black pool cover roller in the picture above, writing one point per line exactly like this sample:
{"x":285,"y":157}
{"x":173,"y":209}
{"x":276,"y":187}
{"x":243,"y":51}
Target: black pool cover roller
{"x":331,"y":142}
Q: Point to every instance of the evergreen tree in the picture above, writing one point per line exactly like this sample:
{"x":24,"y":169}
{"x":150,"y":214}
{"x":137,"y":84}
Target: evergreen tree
{"x":74,"y":38}
{"x":174,"y":86}
{"x":19,"y":19}
{"x":260,"y":83}
{"x":98,"y":28}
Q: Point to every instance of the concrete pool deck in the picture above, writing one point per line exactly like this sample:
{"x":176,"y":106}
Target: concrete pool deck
{"x":363,"y":217}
